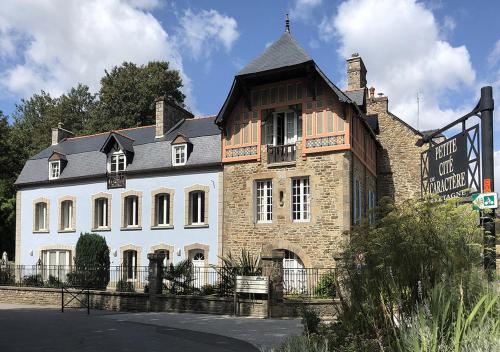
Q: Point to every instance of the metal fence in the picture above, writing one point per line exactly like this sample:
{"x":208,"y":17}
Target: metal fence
{"x":297,"y":282}
{"x":309,"y":282}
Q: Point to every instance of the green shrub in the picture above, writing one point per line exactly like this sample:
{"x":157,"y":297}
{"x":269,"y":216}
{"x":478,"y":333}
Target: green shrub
{"x":180,"y":277}
{"x":52,"y":282}
{"x":326,"y":286}
{"x":304,"y":344}
{"x":7,"y":276}
{"x":32,"y":280}
{"x":310,"y":321}
{"x":125,"y":286}
{"x":91,"y":261}
{"x":207,"y":290}
{"x":246,"y":265}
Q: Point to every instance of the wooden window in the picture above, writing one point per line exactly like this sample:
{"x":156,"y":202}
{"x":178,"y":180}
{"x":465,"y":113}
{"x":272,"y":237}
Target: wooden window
{"x":67,"y":214}
{"x":340,"y":124}
{"x":255,"y":98}
{"x":131,"y":208}
{"x":301,"y":210}
{"x":101,"y":213}
{"x":319,"y":122}
{"x":254,"y":132}
{"x":299,"y":91}
{"x":281,"y":94}
{"x":264,"y":99}
{"x":264,"y":201}
{"x":291,"y":92}
{"x":309,"y":123}
{"x":272,"y":95}
{"x":197,"y":208}
{"x":329,"y":121}
{"x":246,"y":133}
{"x":162,"y":209}
{"x":41,"y":216}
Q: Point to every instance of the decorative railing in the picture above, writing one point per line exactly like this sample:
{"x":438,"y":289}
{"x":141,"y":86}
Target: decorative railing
{"x":116,"y":180}
{"x":281,"y":153}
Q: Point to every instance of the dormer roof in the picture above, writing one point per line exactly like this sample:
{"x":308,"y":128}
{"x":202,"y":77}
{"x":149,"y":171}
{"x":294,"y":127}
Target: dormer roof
{"x":180,"y":139}
{"x":55,"y":156}
{"x":125,"y":143}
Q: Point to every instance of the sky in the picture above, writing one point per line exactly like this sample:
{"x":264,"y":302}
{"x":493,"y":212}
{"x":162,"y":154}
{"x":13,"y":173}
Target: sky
{"x":441,"y":51}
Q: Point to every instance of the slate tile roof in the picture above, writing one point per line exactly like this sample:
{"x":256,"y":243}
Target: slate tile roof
{"x":85,"y":159}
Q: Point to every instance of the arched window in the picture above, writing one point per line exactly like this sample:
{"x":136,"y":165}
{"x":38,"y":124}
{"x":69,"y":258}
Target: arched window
{"x":131,"y":211}
{"x":41,"y":223}
{"x":162,"y":209}
{"x":197,"y":207}
{"x":101,"y":213}
{"x":67,"y":215}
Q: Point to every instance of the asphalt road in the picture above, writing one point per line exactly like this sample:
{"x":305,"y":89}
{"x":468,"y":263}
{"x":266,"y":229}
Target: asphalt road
{"x":41,"y":329}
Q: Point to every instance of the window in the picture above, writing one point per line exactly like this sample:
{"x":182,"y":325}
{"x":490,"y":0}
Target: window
{"x":371,"y":207}
{"x":117,"y":162}
{"x":179,"y":154}
{"x":101,"y":213}
{"x":131,"y":211}
{"x":67,"y":215}
{"x":284,"y":128}
{"x":41,"y":216}
{"x":54,"y":170}
{"x":357,"y":202}
{"x":130,"y":264}
{"x":197,"y":207}
{"x":56,"y":263}
{"x":162,"y":209}
{"x":301,"y":210}
{"x":264,"y":201}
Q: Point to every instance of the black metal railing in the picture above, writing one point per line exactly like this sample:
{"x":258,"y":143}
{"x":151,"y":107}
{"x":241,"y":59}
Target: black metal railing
{"x":309,"y":282}
{"x":281,"y":153}
{"x":116,"y":180}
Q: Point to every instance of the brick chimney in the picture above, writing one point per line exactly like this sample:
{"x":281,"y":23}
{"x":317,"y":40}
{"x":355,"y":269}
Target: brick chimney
{"x":59,"y":133}
{"x":168,"y":114}
{"x":356,"y":72}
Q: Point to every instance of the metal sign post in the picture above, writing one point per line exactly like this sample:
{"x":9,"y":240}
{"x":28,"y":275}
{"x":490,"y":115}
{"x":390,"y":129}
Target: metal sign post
{"x":441,"y":173}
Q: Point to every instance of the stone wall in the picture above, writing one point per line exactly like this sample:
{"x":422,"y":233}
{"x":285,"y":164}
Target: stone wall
{"x":398,"y":162}
{"x":140,"y":302}
{"x":316,"y":242}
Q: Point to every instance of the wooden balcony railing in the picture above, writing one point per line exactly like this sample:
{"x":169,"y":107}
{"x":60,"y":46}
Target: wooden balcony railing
{"x":116,"y":180}
{"x":281,"y":153}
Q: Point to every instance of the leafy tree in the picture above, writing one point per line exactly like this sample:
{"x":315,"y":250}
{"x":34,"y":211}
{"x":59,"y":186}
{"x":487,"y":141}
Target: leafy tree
{"x":91,"y":261}
{"x":127,"y":94}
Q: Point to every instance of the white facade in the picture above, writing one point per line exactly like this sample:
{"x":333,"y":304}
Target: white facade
{"x":180,"y":238}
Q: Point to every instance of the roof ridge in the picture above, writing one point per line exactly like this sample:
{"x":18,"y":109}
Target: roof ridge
{"x":118,"y":130}
{"x":121,"y":134}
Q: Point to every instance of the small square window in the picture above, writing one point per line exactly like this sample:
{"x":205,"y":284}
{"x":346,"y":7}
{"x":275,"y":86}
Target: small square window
{"x":54,"y":170}
{"x":179,"y":154}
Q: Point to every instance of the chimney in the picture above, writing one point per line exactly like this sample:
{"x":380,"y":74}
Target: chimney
{"x":356,"y":72}
{"x":372,"y":92}
{"x":168,"y":114}
{"x":59,"y":133}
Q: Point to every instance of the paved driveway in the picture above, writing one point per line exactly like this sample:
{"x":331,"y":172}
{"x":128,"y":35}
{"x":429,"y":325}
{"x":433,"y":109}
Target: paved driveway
{"x":32,"y":328}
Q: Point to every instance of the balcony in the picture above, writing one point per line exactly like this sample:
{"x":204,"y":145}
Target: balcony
{"x":116,"y":180}
{"x":281,"y":153}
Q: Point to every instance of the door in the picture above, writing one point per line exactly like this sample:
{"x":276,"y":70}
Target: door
{"x":294,"y":274}
{"x":198,"y":259}
{"x":285,"y":128}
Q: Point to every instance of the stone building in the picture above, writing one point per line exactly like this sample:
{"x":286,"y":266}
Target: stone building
{"x":299,"y":159}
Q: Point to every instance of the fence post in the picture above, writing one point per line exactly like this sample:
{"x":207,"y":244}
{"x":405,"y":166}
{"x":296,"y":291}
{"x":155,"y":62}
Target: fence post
{"x":272,"y":266}
{"x":155,"y":278}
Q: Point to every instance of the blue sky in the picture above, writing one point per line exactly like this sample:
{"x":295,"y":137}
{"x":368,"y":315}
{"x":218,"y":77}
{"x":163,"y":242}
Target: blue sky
{"x":444,"y":51}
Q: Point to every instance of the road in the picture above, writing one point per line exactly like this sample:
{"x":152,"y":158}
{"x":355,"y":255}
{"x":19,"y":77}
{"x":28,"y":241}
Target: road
{"x":29,"y":328}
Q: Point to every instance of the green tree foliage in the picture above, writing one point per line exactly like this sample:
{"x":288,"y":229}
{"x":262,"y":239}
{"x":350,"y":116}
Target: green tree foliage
{"x":127,"y":94}
{"x":125,"y":99}
{"x":91,"y":261}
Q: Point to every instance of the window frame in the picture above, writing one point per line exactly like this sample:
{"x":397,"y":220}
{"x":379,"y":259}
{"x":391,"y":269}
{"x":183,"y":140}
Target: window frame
{"x":263,"y":194}
{"x":36,"y":224}
{"x":110,"y":162}
{"x":102,"y":213}
{"x":135,"y":211}
{"x":304,"y":206}
{"x":183,"y":148}
{"x":51,"y":165}
{"x":166,"y":210}
{"x":66,"y":213}
{"x":200,"y":209}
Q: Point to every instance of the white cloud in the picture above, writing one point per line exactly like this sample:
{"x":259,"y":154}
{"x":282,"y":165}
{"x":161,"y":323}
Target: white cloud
{"x":497,"y":171}
{"x":144,"y":4}
{"x":302,"y":9}
{"x":401,"y":45}
{"x":58,"y":44}
{"x":205,"y":31}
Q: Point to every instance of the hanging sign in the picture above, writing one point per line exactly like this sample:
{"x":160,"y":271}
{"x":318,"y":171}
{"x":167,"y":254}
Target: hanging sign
{"x":447,"y":167}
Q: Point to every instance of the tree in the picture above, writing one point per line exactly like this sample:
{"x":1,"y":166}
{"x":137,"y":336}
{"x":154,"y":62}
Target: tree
{"x":91,"y":261}
{"x":128,"y":92}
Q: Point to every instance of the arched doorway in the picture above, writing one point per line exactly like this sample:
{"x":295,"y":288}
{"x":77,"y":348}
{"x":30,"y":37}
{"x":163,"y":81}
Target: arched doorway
{"x":294,"y":274}
{"x":197,"y":257}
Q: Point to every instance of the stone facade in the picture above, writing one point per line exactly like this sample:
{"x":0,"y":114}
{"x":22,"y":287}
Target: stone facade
{"x":398,"y":159}
{"x":318,"y":241}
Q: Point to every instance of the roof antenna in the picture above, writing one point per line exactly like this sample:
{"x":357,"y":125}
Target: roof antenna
{"x":287,"y":24}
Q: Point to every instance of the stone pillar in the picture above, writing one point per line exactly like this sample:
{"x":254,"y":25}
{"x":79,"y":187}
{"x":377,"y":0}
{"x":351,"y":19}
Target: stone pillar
{"x":272,"y":266}
{"x":155,"y":278}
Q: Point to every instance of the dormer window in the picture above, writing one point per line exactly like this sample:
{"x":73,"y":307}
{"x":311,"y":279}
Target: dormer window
{"x":179,"y":154}
{"x":54,"y":170}
{"x":117,"y":161}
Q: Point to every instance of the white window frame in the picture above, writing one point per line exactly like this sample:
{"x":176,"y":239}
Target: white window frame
{"x":101,"y":212}
{"x":132,"y":263}
{"x":52,"y":164}
{"x":135,"y":211}
{"x":70,"y":213}
{"x":166,"y":209}
{"x":117,"y":155}
{"x":200,"y":203}
{"x":303,"y":186}
{"x":179,"y":150}
{"x":285,"y":132}
{"x":44,"y":216}
{"x":264,"y":201}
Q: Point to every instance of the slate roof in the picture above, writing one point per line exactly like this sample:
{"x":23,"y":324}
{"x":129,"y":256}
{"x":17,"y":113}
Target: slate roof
{"x":86,"y":160}
{"x":357,"y":96}
{"x":283,"y":52}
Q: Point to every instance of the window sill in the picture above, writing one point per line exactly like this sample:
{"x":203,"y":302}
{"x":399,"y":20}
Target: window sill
{"x":41,"y":231}
{"x":282,"y":164}
{"x":162,"y":227}
{"x":66,"y":231}
{"x":99,"y":229}
{"x":196,"y":226}
{"x":135,"y":228}
{"x":261,"y":223}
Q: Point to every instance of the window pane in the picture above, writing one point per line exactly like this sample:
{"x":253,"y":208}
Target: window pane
{"x":340,"y":124}
{"x":264,"y":201}
{"x":319,"y":122}
{"x":309,"y":124}
{"x":329,"y":121}
{"x":300,"y":199}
